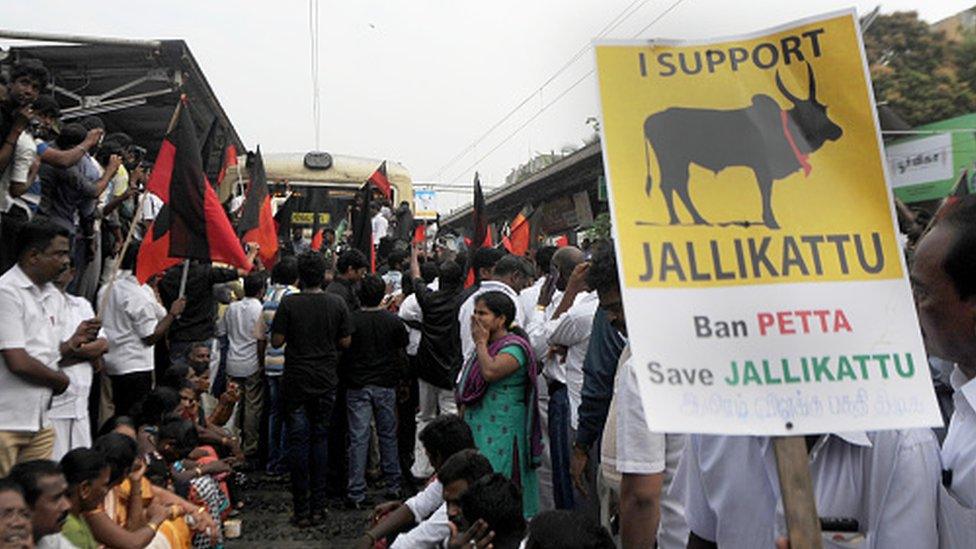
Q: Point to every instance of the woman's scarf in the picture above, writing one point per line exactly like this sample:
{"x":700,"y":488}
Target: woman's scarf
{"x":472,"y":386}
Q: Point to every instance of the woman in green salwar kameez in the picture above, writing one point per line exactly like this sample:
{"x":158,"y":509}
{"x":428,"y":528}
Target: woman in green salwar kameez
{"x":501,"y":407}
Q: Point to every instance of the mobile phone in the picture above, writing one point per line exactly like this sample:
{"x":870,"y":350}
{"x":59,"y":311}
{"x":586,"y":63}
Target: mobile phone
{"x":839,"y":524}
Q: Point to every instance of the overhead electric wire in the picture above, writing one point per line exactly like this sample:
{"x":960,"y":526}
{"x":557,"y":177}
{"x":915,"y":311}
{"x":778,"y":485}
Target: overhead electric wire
{"x":545,"y":107}
{"x":614,"y":23}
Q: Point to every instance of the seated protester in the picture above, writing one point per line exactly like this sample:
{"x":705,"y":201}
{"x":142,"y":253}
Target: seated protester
{"x":195,"y":480}
{"x":442,"y":438}
{"x":69,"y":410}
{"x":174,"y":376}
{"x":371,"y":369}
{"x":567,"y":530}
{"x":159,"y":407}
{"x":215,"y":443}
{"x":887,"y":481}
{"x":150,"y":413}
{"x":46,"y":492}
{"x":456,"y":474}
{"x":15,"y":517}
{"x":128,"y":524}
{"x":87,"y":474}
{"x":209,"y":428}
{"x":491,"y":510}
{"x":119,"y":448}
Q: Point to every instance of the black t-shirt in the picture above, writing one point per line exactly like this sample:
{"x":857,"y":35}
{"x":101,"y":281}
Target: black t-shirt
{"x":439,"y":353}
{"x":312,"y":323}
{"x":198,"y":319}
{"x":348,"y":291}
{"x":376,"y":354}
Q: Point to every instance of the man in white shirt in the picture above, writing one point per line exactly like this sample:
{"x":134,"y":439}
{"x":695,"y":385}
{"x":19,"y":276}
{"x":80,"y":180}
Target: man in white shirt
{"x":509,"y":275}
{"x":547,"y":315}
{"x":151,"y":207}
{"x":942,"y":279}
{"x":243,"y":326}
{"x":134,"y":320}
{"x":380,"y":224}
{"x":69,"y":410}
{"x":637,"y":465}
{"x":886,"y":481}
{"x":543,"y":263}
{"x":32,"y":310}
{"x":443,"y":437}
{"x":455,"y":476}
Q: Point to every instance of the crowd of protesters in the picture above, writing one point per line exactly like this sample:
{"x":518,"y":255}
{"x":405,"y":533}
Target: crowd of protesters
{"x":491,"y":398}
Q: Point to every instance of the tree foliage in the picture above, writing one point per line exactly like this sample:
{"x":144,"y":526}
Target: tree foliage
{"x":919,"y":73}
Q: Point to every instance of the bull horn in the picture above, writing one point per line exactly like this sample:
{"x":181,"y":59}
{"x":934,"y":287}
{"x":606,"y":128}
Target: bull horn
{"x":782,"y":89}
{"x":813,"y":83}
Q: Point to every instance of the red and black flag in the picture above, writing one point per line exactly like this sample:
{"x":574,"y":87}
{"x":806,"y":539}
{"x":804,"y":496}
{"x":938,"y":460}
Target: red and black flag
{"x":228,"y":160}
{"x":191,"y":224}
{"x":479,"y":229}
{"x":362,"y":225}
{"x":517,"y":239}
{"x":257,"y":223}
{"x":381,"y":182}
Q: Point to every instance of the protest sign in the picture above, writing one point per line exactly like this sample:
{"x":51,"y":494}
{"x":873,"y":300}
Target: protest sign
{"x":763,"y":283}
{"x":425,"y":203}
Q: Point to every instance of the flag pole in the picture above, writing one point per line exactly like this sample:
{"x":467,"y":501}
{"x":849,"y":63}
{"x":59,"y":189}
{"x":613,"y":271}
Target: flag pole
{"x":132,"y":226}
{"x":186,"y":272}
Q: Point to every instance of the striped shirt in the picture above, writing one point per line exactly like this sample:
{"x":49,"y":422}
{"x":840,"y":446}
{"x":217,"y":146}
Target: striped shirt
{"x":274,"y":359}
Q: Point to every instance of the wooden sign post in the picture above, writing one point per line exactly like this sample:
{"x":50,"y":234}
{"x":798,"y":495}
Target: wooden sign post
{"x":796,"y":487}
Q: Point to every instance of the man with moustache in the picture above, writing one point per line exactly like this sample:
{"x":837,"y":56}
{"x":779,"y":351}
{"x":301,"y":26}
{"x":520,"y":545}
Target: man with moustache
{"x":33,"y":310}
{"x":46,"y":493}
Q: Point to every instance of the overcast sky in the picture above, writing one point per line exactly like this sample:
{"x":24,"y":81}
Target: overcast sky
{"x":416,"y":81}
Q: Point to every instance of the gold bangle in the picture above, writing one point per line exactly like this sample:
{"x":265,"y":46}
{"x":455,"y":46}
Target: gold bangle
{"x":198,"y":471}
{"x":155,"y":527}
{"x":200,"y":509}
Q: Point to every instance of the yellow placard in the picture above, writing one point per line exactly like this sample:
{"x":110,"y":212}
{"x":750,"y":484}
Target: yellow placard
{"x":308,"y":218}
{"x":767,"y":150}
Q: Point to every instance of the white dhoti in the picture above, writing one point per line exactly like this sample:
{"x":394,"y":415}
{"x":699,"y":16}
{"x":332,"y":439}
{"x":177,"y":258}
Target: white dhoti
{"x":70,"y":434}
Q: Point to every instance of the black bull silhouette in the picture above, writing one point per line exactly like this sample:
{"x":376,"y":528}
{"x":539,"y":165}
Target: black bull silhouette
{"x":772,"y":142}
